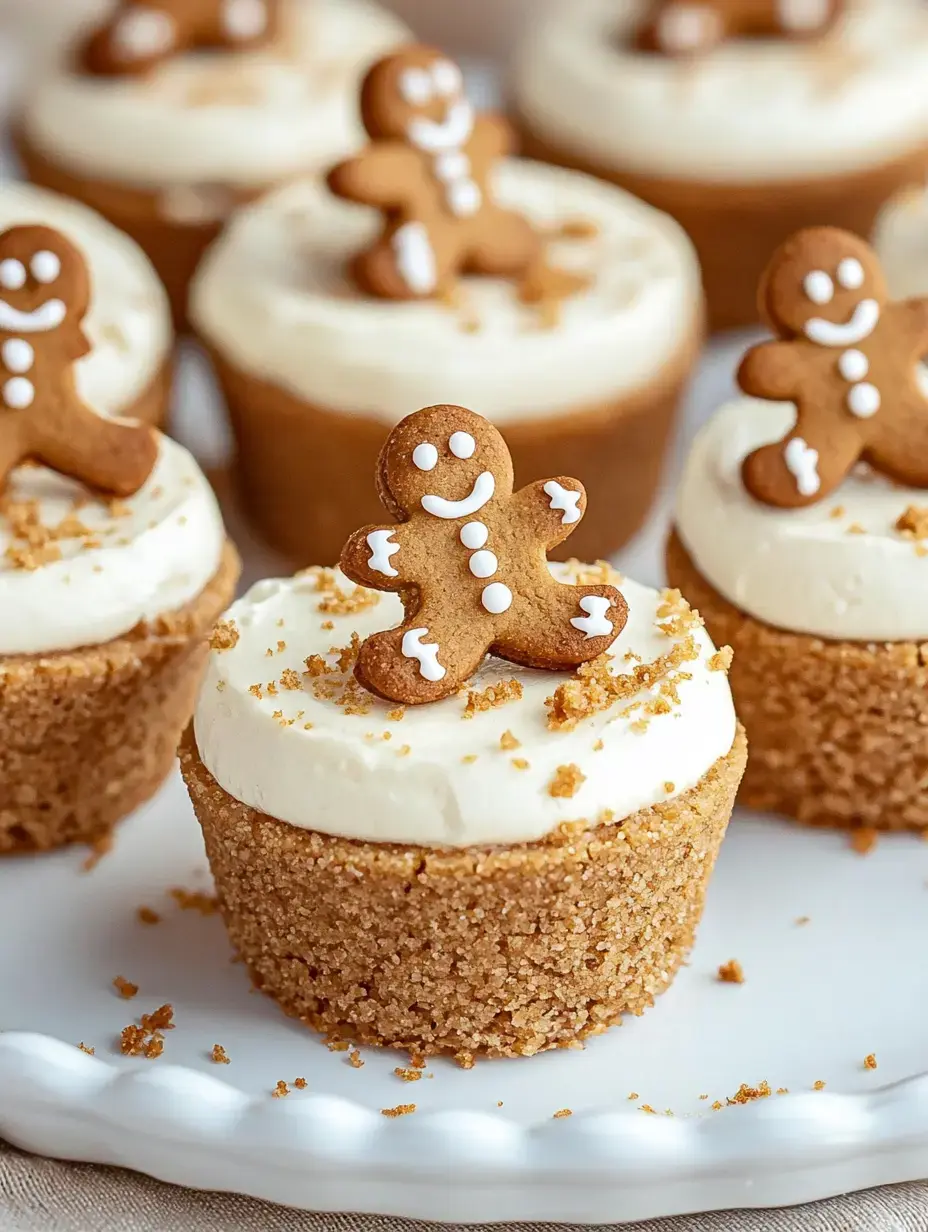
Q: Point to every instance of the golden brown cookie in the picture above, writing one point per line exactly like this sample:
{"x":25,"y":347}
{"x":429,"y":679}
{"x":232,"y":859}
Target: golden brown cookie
{"x":138,"y":36}
{"x":44,"y":295}
{"x":849,"y":360}
{"x":469,"y":560}
{"x":427,"y":168}
{"x":689,"y":27}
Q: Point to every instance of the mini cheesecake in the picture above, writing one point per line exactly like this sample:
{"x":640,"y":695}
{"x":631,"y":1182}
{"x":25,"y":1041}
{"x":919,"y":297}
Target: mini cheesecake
{"x":505,"y":871}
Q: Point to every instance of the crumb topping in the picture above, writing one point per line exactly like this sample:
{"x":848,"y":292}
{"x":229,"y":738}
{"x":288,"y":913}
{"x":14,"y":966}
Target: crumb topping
{"x":219,"y":1056}
{"x":731,"y":972}
{"x":398,"y":1111}
{"x":281,"y":1090}
{"x":125,"y":989}
{"x":355,"y":1060}
{"x":913,"y":522}
{"x":562,"y":1112}
{"x":147,"y":916}
{"x":863,"y":840}
{"x":818,"y":1085}
{"x":870,"y":1061}
{"x":146,"y":1039}
{"x":300,"y":1084}
{"x":89,"y":1049}
{"x":195,"y":900}
{"x":721,"y":660}
{"x":494,"y":695}
{"x":508,"y":742}
{"x":409,"y":1074}
{"x":225,"y":636}
{"x":567,"y":781}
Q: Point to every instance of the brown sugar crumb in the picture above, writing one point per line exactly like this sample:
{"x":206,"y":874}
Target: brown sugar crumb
{"x":397,"y":714}
{"x":855,"y":528}
{"x":566,"y":781}
{"x":147,"y":1039}
{"x":577,"y":229}
{"x":355,"y":1060}
{"x":746,"y":1094}
{"x":670,"y":788}
{"x":300,"y":1084}
{"x":563,"y":1112}
{"x":337,"y":603}
{"x":508,"y":742}
{"x":256,"y":691}
{"x":289,"y":679}
{"x":704,"y":1097}
{"x":404,"y":750}
{"x":336,"y":1045}
{"x":863,"y":840}
{"x":639,"y":727}
{"x":161,"y":1019}
{"x":147,"y":916}
{"x":648,"y":1109}
{"x":88,"y":1048}
{"x":519,"y":763}
{"x":268,"y":654}
{"x":494,"y":695}
{"x":717,"y":1105}
{"x":408,"y":1075}
{"x":594,"y":687}
{"x":281,"y":646}
{"x":818,"y":1085}
{"x":281,"y":1091}
{"x":914,"y":522}
{"x":125,"y":989}
{"x":870,"y":1060}
{"x":802,"y":920}
{"x":721,"y":660}
{"x":272,"y":688}
{"x":731,"y":972}
{"x":633,"y":1095}
{"x":398,"y":1111}
{"x":195,"y":900}
{"x":469,"y":758}
{"x":219,"y":1056}
{"x":782,"y":1090}
{"x":317,"y":666}
{"x":225,"y":635}
{"x":598,"y":746}
{"x":101,"y":846}
{"x":327,"y":625}
{"x":836,"y":511}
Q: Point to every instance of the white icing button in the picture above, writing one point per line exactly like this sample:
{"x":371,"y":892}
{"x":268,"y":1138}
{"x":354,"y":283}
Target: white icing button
{"x":853,"y":365}
{"x":474,"y":535}
{"x":447,"y":78}
{"x":45,"y":266}
{"x":244,"y":19}
{"x":483,"y":564}
{"x":496,"y":598}
{"x":17,"y":355}
{"x":464,"y":198}
{"x":425,"y":457}
{"x":863,"y":400}
{"x":819,"y":287}
{"x":851,"y":274}
{"x":12,"y":274}
{"x":462,"y":444}
{"x":452,"y":165}
{"x":18,"y":393}
{"x":416,"y":86}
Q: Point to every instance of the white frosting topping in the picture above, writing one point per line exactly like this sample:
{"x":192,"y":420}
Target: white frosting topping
{"x":127,"y":561}
{"x":245,"y":118}
{"x":751,"y":109}
{"x":440,"y":779}
{"x":129,"y":323}
{"x":274,"y":298}
{"x":837,"y":569}
{"x":901,"y":242}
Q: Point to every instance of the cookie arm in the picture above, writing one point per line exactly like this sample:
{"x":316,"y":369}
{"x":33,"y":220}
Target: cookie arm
{"x":116,"y":456}
{"x":916,"y":322}
{"x":381,"y":175}
{"x":373,"y":557}
{"x":493,"y":136}
{"x":767,"y":371}
{"x":550,"y":509}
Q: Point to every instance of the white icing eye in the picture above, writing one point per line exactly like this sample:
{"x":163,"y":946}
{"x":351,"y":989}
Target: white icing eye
{"x":142,"y":32}
{"x":416,"y":86}
{"x":688,"y":27}
{"x":244,"y":19}
{"x":802,"y":15}
{"x":425,"y":457}
{"x":45,"y":266}
{"x":447,"y":78}
{"x":851,"y":274}
{"x":819,"y":287}
{"x":462,"y":444}
{"x":12,"y":274}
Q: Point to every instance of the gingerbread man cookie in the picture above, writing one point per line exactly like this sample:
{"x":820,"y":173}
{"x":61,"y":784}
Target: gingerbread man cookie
{"x":427,"y":168}
{"x":469,"y":560}
{"x":848,"y":358}
{"x":44,"y":295}
{"x":689,"y":27}
{"x":140,"y":36}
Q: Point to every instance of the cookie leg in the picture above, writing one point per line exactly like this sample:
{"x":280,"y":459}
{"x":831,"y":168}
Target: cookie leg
{"x":805,"y":466}
{"x":904,"y":457}
{"x":420,"y":661}
{"x":505,"y":244}
{"x":404,"y":264}
{"x":564,"y":626}
{"x":109,"y":454}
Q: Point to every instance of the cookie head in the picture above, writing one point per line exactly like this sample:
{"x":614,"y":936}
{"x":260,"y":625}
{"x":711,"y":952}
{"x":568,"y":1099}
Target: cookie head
{"x":446,"y":461}
{"x":43,"y":281}
{"x":417,"y":95}
{"x":825,"y":285}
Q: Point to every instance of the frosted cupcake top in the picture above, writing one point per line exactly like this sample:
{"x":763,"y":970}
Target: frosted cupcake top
{"x":129,"y":322}
{"x":274,"y":298}
{"x":235,"y":118}
{"x":78,"y":570}
{"x":284,"y":727}
{"x":760,"y":110}
{"x":901,"y":242}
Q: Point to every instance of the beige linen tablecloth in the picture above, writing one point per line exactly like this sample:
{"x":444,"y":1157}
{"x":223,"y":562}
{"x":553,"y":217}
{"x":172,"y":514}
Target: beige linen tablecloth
{"x":42,"y":1195}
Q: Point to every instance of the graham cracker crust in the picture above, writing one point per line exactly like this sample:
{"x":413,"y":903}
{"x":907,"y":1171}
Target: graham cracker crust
{"x":502,"y":952}
{"x":616,"y":449}
{"x":87,"y":735}
{"x":838,"y":730}
{"x":737,"y":226}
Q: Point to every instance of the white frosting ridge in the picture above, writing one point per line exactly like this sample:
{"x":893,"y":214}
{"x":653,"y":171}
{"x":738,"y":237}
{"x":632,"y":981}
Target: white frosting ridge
{"x":340,"y":775}
{"x":901,"y":242}
{"x":240,"y":118}
{"x":751,"y":110}
{"x":835,"y":569}
{"x":274,"y":298}
{"x":128,"y":323}
{"x":145,"y":556}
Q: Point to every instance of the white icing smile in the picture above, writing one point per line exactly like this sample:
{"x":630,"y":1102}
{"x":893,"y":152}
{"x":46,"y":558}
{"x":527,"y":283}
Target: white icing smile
{"x":451,"y":133}
{"x":863,"y":322}
{"x":48,"y":316}
{"x":482,"y":491}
